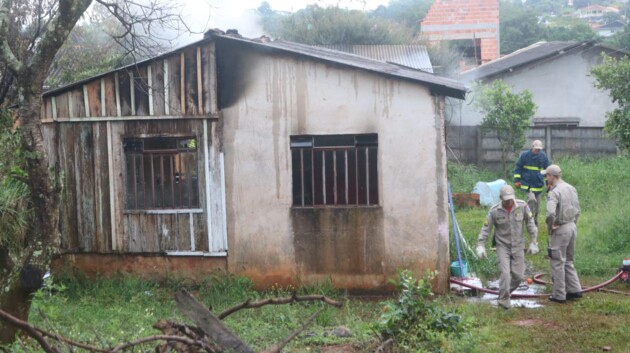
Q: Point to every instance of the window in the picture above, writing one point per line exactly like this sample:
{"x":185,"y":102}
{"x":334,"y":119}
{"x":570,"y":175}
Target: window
{"x":334,"y":170}
{"x":161,"y":173}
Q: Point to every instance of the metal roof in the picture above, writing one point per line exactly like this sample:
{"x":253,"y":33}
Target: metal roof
{"x":414,"y":56}
{"x":438,"y":84}
{"x":522,"y":57}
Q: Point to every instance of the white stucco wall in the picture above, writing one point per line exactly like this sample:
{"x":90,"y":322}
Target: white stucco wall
{"x":562,"y":88}
{"x":284,"y":96}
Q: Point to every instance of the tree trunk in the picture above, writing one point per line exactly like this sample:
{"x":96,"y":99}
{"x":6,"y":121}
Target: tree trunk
{"x":31,"y":260}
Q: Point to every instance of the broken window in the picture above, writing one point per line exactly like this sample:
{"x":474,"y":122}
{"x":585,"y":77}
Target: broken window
{"x":335,"y":170}
{"x":161,"y":173}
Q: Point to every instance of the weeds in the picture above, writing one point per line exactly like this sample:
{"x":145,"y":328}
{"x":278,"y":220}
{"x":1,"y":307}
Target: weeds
{"x":415,"y":322}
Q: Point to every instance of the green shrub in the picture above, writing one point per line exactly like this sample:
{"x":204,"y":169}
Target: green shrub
{"x":14,"y":194}
{"x":417,"y":324}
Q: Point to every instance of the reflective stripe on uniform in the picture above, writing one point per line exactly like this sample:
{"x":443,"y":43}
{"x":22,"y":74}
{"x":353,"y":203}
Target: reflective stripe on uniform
{"x":517,"y":176}
{"x":529,"y":167}
{"x":532,"y":189}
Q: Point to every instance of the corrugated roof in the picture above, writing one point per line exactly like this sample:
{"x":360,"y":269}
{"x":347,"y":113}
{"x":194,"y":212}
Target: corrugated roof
{"x":521,"y":57}
{"x":413,"y":56}
{"x":438,"y":84}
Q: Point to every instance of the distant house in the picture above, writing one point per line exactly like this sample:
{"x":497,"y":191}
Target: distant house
{"x":595,"y":13}
{"x":282,"y":162}
{"x":609,"y":29}
{"x":571,"y":111}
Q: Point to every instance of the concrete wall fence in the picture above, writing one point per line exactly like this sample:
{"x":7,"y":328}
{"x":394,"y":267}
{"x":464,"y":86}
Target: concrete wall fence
{"x":468,"y":145}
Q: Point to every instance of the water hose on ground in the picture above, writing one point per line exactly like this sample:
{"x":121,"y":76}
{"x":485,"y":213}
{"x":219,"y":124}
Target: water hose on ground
{"x":537,"y":280}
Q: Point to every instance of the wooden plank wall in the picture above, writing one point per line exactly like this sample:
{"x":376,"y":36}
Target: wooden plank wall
{"x":181,"y":84}
{"x":84,"y":126}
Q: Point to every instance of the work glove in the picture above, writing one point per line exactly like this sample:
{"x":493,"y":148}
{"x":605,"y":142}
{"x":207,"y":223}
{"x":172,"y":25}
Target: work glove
{"x":517,"y":184}
{"x":533,"y":248}
{"x":481,"y":251}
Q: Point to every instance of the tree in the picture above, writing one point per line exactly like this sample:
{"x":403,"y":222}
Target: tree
{"x":546,"y":6}
{"x":506,"y":113}
{"x":518,"y":27}
{"x":620,"y":40}
{"x":406,"y":12}
{"x":613,"y":75}
{"x":75,"y":59}
{"x":315,"y":25}
{"x":31,"y":34}
{"x":569,"y":28}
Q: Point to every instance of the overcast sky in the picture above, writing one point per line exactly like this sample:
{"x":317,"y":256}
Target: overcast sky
{"x":201,"y":15}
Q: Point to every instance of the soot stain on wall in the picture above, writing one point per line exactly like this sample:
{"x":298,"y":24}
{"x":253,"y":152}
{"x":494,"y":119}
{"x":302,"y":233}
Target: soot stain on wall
{"x":339,"y":240}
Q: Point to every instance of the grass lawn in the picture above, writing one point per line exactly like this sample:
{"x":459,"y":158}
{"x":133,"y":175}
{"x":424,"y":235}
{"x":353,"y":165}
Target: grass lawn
{"x":106,"y":312}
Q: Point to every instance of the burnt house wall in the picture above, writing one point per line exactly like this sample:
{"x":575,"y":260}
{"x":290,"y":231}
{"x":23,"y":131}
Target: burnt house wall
{"x":85,"y":126}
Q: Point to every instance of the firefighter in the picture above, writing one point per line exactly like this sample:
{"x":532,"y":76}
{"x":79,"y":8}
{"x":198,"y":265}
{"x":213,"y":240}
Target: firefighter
{"x":527,"y":176}
{"x":508,"y":217}
{"x":563,"y":210}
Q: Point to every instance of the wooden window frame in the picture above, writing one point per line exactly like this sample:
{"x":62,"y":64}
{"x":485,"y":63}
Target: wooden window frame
{"x":161,"y":173}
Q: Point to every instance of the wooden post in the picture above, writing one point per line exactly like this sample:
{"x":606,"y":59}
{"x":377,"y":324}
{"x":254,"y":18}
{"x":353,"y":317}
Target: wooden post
{"x":210,"y":324}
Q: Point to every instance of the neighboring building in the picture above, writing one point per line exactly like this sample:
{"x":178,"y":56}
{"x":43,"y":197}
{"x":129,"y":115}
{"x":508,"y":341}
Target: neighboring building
{"x":571,"y":111}
{"x":609,"y":29}
{"x":474,"y":23}
{"x":282,"y":162}
{"x":413,"y":56}
{"x":595,"y":13}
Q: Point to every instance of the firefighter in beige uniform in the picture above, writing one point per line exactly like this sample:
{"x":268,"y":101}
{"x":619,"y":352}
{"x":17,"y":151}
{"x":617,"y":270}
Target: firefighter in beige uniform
{"x":563,"y":210}
{"x":508,"y":218}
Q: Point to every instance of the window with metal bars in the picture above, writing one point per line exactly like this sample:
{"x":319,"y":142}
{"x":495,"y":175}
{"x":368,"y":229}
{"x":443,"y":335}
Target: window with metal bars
{"x":161,"y":173}
{"x":334,"y":170}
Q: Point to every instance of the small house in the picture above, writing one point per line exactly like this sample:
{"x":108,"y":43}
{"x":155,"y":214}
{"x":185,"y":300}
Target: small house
{"x":286,"y":163}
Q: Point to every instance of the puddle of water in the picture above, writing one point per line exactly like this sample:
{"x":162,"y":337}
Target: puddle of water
{"x":494,"y":285}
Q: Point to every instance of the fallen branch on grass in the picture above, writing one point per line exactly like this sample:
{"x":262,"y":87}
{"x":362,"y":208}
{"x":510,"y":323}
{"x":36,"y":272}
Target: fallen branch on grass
{"x":278,"y":301}
{"x":29,"y":330}
{"x":209,"y":336}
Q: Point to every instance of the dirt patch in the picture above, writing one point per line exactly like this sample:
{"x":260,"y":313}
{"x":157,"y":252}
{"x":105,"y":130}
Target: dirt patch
{"x":534,"y":322}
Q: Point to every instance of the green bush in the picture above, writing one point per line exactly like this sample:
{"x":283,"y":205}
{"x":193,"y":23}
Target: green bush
{"x":417,"y":324}
{"x":14,"y":195}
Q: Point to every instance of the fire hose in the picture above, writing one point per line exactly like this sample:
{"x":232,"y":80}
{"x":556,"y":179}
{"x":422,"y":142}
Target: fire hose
{"x":536,"y":280}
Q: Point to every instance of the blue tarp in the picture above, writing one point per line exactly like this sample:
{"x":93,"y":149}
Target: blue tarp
{"x":488,"y":192}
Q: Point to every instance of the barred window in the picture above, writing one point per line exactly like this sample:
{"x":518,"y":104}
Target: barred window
{"x":334,"y":170}
{"x":161,"y":173}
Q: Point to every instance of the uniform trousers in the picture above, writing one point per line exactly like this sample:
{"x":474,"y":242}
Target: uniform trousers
{"x":511,"y":264}
{"x":561,"y":256}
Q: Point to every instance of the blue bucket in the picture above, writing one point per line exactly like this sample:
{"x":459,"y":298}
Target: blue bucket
{"x":456,"y":271}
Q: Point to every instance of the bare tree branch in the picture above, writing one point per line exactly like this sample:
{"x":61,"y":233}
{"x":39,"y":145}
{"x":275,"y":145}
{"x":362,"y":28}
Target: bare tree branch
{"x":277,"y":348}
{"x":385,"y":344}
{"x":278,"y":301}
{"x":57,"y":31}
{"x":140,"y":24}
{"x":155,"y":338}
{"x":30,"y":330}
{"x":6,"y":54}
